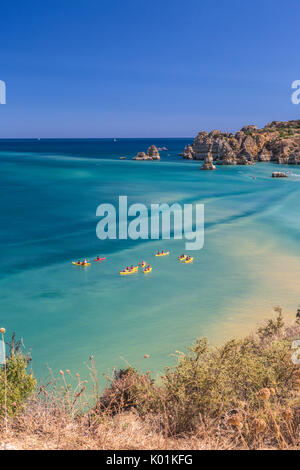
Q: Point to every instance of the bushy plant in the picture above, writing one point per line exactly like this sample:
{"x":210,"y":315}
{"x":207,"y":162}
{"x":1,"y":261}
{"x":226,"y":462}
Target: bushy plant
{"x":16,"y":384}
{"x":126,"y":390}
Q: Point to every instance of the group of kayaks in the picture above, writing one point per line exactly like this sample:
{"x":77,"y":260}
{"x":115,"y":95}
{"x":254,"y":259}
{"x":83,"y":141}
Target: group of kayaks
{"x":134,"y":269}
{"x":186,"y":259}
{"x":147,"y":268}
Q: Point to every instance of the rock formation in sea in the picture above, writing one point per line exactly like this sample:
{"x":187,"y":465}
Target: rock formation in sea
{"x":141,"y":156}
{"x":188,"y":152}
{"x":279,"y":174}
{"x":152,"y":154}
{"x":208,"y":163}
{"x":277,"y":142}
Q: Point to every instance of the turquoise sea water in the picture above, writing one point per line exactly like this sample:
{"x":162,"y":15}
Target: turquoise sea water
{"x":50,"y":190}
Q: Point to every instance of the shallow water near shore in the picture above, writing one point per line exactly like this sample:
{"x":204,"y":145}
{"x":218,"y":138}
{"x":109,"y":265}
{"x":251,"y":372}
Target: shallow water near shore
{"x":49,"y":194}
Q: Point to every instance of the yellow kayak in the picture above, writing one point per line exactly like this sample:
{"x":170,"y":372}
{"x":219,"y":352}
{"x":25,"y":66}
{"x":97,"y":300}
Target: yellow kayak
{"x":148,"y":270}
{"x":81,"y":264}
{"x":189,"y":260}
{"x":182,"y":258}
{"x":131,"y":271}
{"x":163,"y":254}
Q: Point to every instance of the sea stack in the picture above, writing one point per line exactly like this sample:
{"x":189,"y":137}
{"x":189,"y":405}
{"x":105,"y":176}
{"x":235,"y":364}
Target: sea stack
{"x":153,"y":153}
{"x":141,"y":156}
{"x":208,"y":162}
{"x":188,"y":153}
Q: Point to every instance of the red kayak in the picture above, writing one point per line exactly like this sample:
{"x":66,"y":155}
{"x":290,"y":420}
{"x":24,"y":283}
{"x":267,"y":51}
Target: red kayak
{"x":99,"y":259}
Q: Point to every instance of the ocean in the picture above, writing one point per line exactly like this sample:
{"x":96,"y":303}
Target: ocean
{"x":50,"y":190}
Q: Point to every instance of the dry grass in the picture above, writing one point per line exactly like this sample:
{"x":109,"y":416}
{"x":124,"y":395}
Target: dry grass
{"x":40,"y":429}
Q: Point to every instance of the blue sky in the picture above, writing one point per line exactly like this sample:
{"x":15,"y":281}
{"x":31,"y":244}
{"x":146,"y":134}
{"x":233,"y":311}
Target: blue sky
{"x":132,"y":68}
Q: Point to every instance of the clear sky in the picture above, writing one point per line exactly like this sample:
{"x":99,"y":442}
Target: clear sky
{"x":137,"y":68}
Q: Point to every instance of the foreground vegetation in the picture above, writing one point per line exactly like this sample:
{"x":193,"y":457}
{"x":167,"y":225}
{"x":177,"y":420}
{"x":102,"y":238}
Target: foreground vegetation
{"x":242,"y":395}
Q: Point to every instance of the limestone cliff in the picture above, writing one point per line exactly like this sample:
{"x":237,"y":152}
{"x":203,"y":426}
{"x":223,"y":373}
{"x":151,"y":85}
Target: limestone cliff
{"x":278,"y":142}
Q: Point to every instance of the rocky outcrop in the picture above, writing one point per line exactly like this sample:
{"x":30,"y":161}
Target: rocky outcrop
{"x":279,"y":174}
{"x":277,"y":141}
{"x":208,"y":163}
{"x":141,"y":156}
{"x":188,"y":153}
{"x":152,"y":154}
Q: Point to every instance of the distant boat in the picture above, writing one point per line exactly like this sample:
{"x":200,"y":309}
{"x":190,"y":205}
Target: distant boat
{"x":115,"y":140}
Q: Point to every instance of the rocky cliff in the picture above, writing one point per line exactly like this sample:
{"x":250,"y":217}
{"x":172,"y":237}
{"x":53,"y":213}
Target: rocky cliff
{"x":277,"y":141}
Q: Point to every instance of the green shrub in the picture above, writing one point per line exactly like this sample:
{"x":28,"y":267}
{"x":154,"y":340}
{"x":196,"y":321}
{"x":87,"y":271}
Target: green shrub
{"x":16,"y":384}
